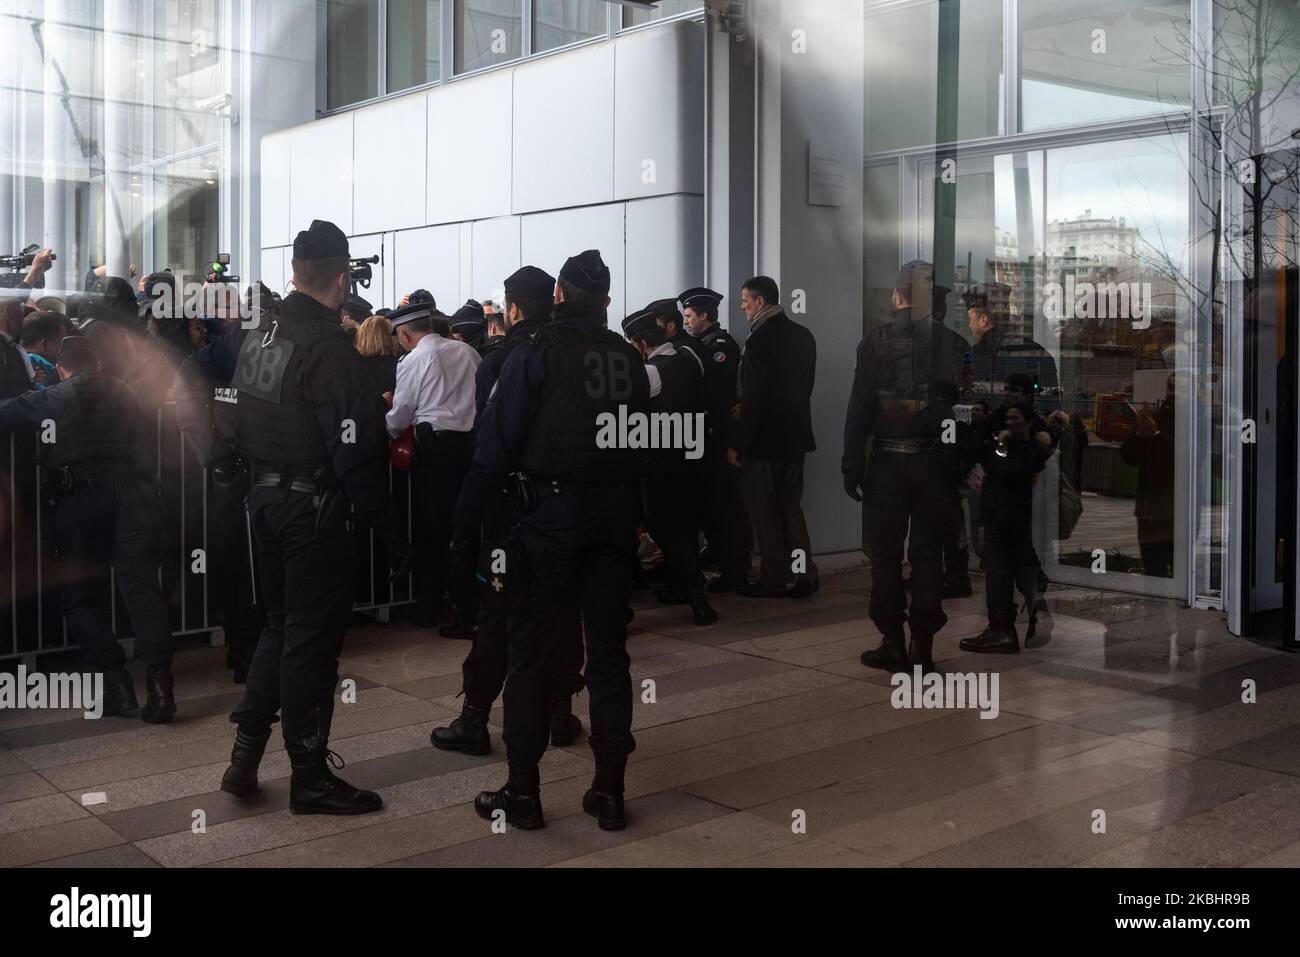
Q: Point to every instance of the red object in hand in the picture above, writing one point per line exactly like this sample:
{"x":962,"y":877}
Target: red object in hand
{"x":401,"y":451}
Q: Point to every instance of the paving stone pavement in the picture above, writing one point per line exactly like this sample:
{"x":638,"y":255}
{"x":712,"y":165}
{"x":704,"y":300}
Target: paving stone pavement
{"x":767,"y":745}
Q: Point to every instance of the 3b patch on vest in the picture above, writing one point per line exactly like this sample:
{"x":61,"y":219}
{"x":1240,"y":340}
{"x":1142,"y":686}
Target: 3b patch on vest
{"x":260,"y":370}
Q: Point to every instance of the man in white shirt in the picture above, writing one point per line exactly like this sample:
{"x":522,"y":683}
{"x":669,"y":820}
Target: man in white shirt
{"x":435,"y":395}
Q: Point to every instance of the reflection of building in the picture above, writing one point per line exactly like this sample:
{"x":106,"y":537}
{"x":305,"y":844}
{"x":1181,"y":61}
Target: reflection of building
{"x":1102,"y":240}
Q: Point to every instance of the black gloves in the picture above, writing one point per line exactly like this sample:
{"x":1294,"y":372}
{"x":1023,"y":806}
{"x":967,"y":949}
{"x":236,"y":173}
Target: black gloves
{"x":401,"y":556}
{"x":853,"y":486}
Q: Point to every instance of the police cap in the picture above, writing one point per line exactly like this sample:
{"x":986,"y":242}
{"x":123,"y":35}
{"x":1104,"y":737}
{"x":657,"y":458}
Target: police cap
{"x":416,"y":310}
{"x":639,"y":321}
{"x":700,"y":298}
{"x":531,"y":283}
{"x":354,"y":305}
{"x":587,"y":273}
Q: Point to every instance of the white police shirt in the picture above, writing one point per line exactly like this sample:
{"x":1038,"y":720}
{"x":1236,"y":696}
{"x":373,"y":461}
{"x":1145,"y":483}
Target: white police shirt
{"x":435,"y":384}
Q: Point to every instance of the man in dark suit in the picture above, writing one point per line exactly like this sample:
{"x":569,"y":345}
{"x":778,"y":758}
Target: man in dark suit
{"x":773,"y":434}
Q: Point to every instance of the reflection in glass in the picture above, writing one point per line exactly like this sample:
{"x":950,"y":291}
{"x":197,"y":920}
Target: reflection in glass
{"x":1087,"y":62}
{"x":414,"y":35}
{"x":902,"y":63}
{"x":666,"y":8}
{"x":1115,"y":275}
{"x":557,"y":23}
{"x":351,"y":51}
{"x":185,"y":59}
{"x":487,"y":32}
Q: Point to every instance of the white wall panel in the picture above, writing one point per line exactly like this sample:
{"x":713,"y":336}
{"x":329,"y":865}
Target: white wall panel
{"x":466,"y":265}
{"x":389,"y":165}
{"x":372,"y":245}
{"x":659,"y":112}
{"x":320,"y":163}
{"x":496,"y":256}
{"x":665,"y":248}
{"x":469,"y":149}
{"x":275,"y":269}
{"x":553,"y":171}
{"x":548,"y":239}
{"x":275,"y":189}
{"x":428,"y":259}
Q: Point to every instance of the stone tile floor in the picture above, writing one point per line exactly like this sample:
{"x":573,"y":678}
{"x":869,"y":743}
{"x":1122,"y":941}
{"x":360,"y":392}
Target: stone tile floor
{"x":1134,"y":709}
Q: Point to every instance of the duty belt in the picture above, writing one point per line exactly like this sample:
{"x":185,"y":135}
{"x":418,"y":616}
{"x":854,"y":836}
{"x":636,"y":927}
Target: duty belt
{"x":263,"y":478}
{"x":900,"y":446}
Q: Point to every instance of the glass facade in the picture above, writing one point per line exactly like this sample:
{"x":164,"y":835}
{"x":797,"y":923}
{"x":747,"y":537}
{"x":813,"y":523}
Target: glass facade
{"x":634,"y":16}
{"x":557,"y":23}
{"x":1072,"y":156}
{"x":488,"y":33}
{"x":414,"y":43}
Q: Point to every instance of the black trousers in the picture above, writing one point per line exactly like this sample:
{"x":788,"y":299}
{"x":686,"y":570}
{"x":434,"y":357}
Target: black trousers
{"x":113,"y":524}
{"x":442,"y":461}
{"x":230,"y":570}
{"x":909,"y":498}
{"x":576,"y":542}
{"x":726,"y":524}
{"x":673,"y":521}
{"x":1009,"y":559}
{"x":487,"y":663}
{"x":308,"y":577}
{"x":774,"y":495}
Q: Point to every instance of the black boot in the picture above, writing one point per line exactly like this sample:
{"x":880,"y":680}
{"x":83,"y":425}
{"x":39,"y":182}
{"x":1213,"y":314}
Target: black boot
{"x":604,"y":799}
{"x":467,"y":734}
{"x":890,"y":656}
{"x":240,"y":778}
{"x":119,"y":692}
{"x":315,"y":789}
{"x":703,"y":611}
{"x":161,"y":706}
{"x":999,"y":640}
{"x":1039,"y":630}
{"x":672,"y":595}
{"x":920,"y":653}
{"x":566,"y":727}
{"x":520,"y":799}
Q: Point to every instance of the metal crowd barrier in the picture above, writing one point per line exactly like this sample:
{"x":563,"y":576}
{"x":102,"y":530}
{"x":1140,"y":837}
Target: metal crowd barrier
{"x":31,"y":623}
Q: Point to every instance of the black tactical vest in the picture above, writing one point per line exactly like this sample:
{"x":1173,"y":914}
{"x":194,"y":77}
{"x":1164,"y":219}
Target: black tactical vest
{"x":914,"y":357}
{"x":274,"y":423}
{"x":102,"y":433}
{"x":590,"y":372}
{"x":683,"y":386}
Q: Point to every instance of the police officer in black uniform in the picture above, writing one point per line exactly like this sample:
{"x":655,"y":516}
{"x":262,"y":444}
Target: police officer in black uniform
{"x":726,"y":525}
{"x":312,"y":431}
{"x":672,"y":512}
{"x":469,"y":325}
{"x":497,"y":328}
{"x":555,"y":392}
{"x":206,"y":413}
{"x":108,"y":518}
{"x":529,"y":299}
{"x":908,"y":375}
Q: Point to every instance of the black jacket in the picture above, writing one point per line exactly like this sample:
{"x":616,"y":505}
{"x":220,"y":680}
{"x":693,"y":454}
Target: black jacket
{"x":777,"y":372}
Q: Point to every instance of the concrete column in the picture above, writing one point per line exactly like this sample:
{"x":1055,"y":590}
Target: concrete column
{"x":57,"y":160}
{"x":119,"y":94}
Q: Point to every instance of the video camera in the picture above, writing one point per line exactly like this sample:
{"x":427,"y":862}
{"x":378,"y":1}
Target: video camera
{"x":360,"y":272}
{"x":24,"y":259}
{"x":219,"y":270}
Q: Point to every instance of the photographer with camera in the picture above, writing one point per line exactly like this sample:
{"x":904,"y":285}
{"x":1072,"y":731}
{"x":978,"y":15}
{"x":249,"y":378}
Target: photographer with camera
{"x":32,"y":264}
{"x":108,"y":519}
